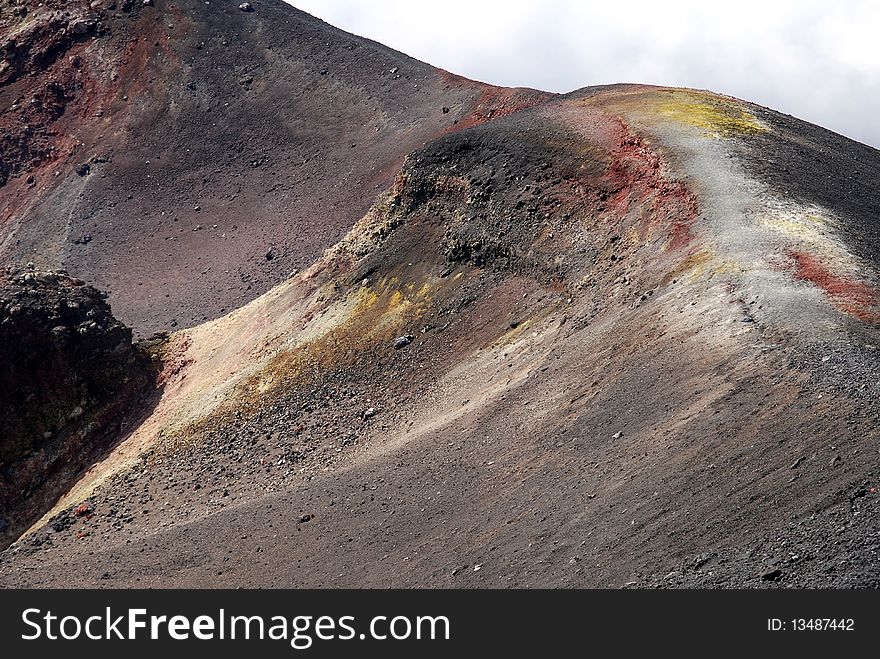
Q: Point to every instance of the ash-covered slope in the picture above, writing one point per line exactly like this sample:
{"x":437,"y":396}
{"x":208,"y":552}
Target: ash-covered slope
{"x":625,"y":336}
{"x":186,"y":156}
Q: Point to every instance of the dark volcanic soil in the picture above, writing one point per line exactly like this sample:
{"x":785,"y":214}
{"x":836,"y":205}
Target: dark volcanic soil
{"x":197,"y":154}
{"x":627,"y":337}
{"x":477,"y":505}
{"x":788,"y":158}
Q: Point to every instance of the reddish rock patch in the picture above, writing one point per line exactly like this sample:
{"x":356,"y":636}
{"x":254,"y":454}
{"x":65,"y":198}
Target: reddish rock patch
{"x":849,"y":295}
{"x":636,"y":179}
{"x":494,"y":102}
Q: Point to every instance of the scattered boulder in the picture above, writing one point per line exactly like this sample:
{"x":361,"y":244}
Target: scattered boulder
{"x":402,"y":341}
{"x":83,"y":510}
{"x":245,"y":6}
{"x":774,"y":575}
{"x":704,"y":558}
{"x":81,"y":28}
{"x":61,"y":522}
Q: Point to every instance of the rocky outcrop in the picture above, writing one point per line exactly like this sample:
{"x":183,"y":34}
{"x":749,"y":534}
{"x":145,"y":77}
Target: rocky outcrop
{"x":42,"y":71}
{"x":68,"y":371}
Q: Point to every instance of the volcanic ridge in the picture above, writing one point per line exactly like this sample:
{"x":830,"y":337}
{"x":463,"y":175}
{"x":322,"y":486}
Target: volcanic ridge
{"x":375,"y":324}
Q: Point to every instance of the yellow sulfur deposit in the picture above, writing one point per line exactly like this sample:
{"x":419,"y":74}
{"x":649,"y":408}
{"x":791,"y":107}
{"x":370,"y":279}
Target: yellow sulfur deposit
{"x":720,"y":116}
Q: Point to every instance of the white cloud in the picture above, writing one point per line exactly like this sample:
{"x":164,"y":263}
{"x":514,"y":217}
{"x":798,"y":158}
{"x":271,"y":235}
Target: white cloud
{"x":818,"y":60}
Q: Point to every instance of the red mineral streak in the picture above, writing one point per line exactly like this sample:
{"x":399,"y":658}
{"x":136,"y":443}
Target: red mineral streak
{"x":636,"y":179}
{"x":850,"y":296}
{"x":494,"y":102}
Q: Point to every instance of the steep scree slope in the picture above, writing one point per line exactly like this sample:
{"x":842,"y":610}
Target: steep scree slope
{"x":187,"y":156}
{"x":598,"y":341}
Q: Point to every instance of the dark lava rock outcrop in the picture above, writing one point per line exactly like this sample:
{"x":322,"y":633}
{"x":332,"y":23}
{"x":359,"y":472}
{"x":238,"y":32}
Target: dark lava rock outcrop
{"x":68,"y":371}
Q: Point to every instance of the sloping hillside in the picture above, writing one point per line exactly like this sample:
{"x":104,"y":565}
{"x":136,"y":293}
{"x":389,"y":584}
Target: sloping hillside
{"x":627,"y":336}
{"x":187,"y":156}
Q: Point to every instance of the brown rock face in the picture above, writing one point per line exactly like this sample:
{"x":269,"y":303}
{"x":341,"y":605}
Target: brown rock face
{"x":68,"y":371}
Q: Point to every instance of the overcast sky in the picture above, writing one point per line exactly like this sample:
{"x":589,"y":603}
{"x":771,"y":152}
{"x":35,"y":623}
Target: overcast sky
{"x":818,"y":60}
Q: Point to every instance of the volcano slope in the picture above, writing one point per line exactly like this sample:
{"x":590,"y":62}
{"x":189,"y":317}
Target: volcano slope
{"x":187,"y":156}
{"x":622,"y":337}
